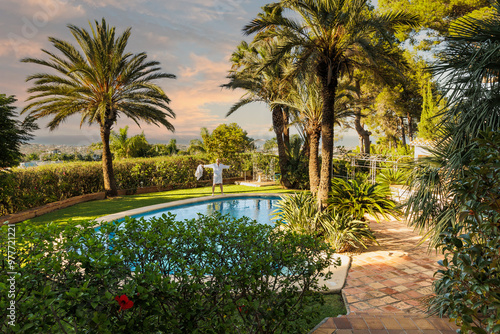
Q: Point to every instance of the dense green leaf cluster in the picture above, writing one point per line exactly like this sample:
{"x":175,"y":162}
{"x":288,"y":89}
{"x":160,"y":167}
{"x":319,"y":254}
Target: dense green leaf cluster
{"x":213,"y":274}
{"x":300,"y":213}
{"x":23,"y":189}
{"x":468,"y":288}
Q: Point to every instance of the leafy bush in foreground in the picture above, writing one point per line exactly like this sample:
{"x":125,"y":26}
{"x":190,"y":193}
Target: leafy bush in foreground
{"x":468,"y":288}
{"x":213,"y":274}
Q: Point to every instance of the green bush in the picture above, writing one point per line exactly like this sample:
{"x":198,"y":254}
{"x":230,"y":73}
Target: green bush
{"x":468,"y":287}
{"x":300,"y":213}
{"x":393,"y":176}
{"x":213,"y":274}
{"x":23,"y":189}
{"x":360,"y":198}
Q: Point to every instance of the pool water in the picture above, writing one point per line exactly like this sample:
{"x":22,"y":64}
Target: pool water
{"x":255,"y":208}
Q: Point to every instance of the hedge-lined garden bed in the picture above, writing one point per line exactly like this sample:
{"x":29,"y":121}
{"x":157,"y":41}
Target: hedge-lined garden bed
{"x":22,"y":189}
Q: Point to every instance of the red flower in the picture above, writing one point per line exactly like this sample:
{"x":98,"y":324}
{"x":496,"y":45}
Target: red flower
{"x":124,"y":302}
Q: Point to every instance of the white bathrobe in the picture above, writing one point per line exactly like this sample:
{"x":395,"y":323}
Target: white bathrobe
{"x":199,"y":172}
{"x":217,"y":171}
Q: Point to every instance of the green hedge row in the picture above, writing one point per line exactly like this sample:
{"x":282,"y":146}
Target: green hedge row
{"x":22,"y":189}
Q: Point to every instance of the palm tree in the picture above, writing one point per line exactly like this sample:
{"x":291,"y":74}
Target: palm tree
{"x":334,"y":35}
{"x":469,"y":69}
{"x":306,"y":105}
{"x":101,"y":82}
{"x":128,"y":147}
{"x":267,"y":85}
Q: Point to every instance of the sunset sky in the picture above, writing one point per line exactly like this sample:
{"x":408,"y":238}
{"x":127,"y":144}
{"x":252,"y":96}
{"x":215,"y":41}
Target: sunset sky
{"x":192,"y":39}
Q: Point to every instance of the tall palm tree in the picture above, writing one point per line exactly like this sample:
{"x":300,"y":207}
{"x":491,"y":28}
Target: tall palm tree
{"x":263,"y":85}
{"x":469,"y":69}
{"x":305,"y":101}
{"x":334,"y":35}
{"x":100,"y":82}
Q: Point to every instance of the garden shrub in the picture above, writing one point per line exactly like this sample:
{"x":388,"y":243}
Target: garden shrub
{"x":300,"y":213}
{"x":360,"y":198}
{"x":214,"y":274}
{"x":468,"y":285}
{"x":23,"y":189}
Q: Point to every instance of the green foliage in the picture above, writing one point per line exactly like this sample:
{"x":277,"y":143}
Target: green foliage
{"x":27,"y":188}
{"x":13,"y":133}
{"x":300,"y":213}
{"x":468,"y":288}
{"x":361,"y":198}
{"x":128,"y":147}
{"x":226,"y":141}
{"x":298,"y":164}
{"x":390,"y":176}
{"x":427,"y":128}
{"x":213,"y":274}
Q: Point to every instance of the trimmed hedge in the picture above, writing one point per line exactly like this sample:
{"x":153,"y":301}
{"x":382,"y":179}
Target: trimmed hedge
{"x":22,"y":189}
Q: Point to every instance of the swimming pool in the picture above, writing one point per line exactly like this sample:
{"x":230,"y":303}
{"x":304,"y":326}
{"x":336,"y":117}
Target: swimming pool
{"x":254,"y":206}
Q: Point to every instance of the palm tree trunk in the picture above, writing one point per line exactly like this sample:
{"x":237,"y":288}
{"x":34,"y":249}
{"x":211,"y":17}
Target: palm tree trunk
{"x":329,"y":82}
{"x":278,"y":127}
{"x":410,"y":126}
{"x":403,"y":132}
{"x":364,"y":135}
{"x":286,"y":129}
{"x":107,"y":163}
{"x":314,"y":133}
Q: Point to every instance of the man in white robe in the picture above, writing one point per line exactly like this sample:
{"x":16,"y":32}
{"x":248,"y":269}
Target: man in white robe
{"x":217,"y":167}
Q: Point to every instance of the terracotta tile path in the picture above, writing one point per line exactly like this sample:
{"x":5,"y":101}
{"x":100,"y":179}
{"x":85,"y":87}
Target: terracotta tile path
{"x":387,"y":285}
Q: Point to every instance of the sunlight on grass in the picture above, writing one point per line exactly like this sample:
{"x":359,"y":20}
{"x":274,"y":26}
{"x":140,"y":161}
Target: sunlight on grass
{"x":95,"y":209}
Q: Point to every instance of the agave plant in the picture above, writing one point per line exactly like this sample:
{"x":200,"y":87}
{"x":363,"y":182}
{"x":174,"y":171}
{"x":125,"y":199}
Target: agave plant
{"x":360,"y":198}
{"x":300,"y":212}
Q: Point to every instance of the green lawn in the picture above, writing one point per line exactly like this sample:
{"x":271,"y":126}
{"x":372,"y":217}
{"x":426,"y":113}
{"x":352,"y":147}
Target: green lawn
{"x":94,"y":209}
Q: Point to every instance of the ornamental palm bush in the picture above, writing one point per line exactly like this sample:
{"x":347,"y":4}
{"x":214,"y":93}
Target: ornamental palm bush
{"x":361,"y":198}
{"x":300,"y":213}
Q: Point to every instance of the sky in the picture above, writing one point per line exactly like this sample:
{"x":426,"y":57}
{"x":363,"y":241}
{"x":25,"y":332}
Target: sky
{"x":192,"y":39}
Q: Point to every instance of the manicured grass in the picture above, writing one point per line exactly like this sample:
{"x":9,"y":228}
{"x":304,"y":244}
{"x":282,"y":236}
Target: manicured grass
{"x":94,"y":209}
{"x":332,"y":307}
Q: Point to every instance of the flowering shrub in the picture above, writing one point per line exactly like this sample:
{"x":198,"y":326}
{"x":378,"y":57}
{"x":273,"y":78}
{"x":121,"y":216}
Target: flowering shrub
{"x":214,"y":274}
{"x":23,"y":189}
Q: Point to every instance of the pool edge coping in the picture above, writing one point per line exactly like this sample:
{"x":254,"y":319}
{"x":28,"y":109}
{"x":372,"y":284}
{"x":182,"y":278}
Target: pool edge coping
{"x":155,"y":207}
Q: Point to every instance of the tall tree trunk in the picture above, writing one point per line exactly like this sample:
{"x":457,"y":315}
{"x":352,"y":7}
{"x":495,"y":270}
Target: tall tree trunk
{"x":278,"y":127}
{"x":107,"y":163}
{"x":364,"y":135}
{"x":328,"y":77}
{"x":403,"y":132}
{"x":314,"y":133}
{"x":410,"y":126}
{"x":286,"y":129}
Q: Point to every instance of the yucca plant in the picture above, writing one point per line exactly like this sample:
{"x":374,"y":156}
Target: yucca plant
{"x":346,"y":233}
{"x":360,"y":198}
{"x":300,"y":213}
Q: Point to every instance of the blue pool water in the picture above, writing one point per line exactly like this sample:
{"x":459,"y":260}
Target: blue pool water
{"x":255,"y":208}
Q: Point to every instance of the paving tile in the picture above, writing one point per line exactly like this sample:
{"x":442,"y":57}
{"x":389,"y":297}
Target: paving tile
{"x":388,"y":291}
{"x":361,"y":331}
{"x":397,"y":331}
{"x":376,"y":302}
{"x":406,"y":323}
{"x":423,"y":324}
{"x":389,"y":300}
{"x":442,"y":324}
{"x":374,"y":323}
{"x":329,"y":324}
{"x":379,"y":331}
{"x":358,"y":323}
{"x":342,"y":323}
{"x":376,"y":285}
{"x":324,"y":331}
{"x":343,"y":331}
{"x":390,"y":323}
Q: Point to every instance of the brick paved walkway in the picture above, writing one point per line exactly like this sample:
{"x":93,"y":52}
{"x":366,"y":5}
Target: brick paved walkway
{"x":387,"y":285}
